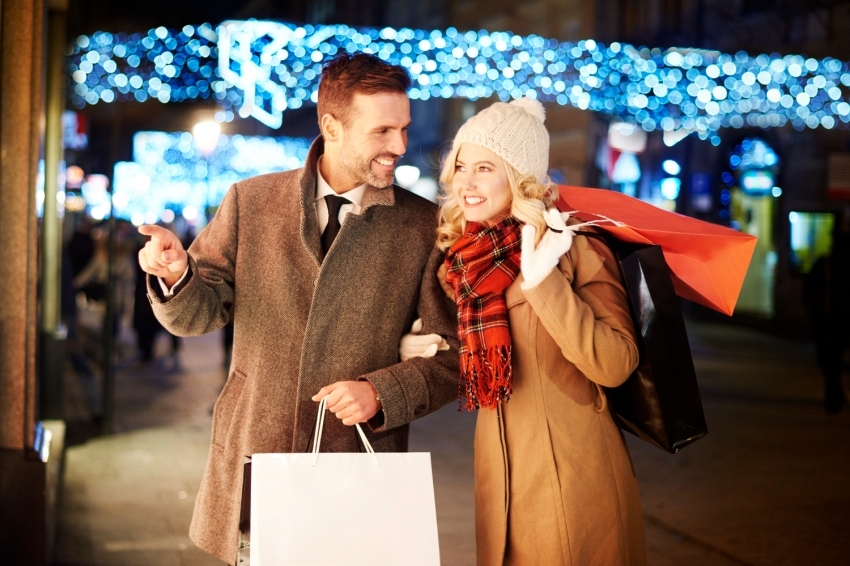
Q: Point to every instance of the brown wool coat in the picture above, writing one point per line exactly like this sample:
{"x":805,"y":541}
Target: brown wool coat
{"x":302,"y":323}
{"x":553,"y":481}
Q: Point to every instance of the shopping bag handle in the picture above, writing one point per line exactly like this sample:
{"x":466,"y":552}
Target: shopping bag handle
{"x":601,"y":219}
{"x":320,"y":425}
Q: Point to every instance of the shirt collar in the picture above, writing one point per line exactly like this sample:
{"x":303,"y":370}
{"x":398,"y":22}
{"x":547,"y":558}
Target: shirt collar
{"x":323,"y":189}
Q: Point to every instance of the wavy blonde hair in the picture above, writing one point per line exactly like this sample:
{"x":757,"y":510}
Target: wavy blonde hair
{"x":530,"y":198}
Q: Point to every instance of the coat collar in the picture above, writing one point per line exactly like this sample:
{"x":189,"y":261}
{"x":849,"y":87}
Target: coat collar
{"x":307,"y":181}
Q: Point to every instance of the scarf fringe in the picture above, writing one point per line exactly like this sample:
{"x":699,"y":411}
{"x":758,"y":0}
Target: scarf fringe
{"x":487,"y":375}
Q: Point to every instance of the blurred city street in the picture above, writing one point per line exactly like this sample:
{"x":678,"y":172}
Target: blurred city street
{"x":767,"y":486}
{"x":255,"y":134}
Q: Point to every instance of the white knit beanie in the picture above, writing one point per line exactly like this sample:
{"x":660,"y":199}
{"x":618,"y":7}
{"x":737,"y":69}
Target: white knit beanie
{"x":515,"y":132}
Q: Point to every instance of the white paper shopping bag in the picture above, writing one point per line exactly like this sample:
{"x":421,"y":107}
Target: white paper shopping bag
{"x":343,"y":509}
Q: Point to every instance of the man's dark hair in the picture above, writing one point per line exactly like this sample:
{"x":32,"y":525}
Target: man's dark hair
{"x":362,"y":73}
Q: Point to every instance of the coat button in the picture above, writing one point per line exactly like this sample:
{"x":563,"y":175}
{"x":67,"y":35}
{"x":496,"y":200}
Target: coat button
{"x":419,"y":409}
{"x":316,"y":282}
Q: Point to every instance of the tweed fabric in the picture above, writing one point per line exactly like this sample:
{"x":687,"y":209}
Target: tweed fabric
{"x":481,"y":265}
{"x":513,"y":131}
{"x":261,"y":257}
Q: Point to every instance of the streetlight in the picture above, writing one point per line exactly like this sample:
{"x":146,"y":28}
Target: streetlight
{"x":206,"y":135}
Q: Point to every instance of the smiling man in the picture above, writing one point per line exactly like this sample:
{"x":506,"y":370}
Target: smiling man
{"x":322,"y":269}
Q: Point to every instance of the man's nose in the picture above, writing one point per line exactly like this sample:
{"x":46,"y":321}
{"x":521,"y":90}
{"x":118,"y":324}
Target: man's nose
{"x":398,"y":143}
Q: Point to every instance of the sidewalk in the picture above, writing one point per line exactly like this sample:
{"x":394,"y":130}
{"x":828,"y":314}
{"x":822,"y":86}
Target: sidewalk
{"x":768,"y":485}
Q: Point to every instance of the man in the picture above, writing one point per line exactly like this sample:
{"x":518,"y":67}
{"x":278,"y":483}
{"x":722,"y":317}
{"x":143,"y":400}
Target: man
{"x":325,"y":268}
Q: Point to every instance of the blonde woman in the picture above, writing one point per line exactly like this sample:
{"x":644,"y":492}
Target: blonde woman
{"x":544,"y":325}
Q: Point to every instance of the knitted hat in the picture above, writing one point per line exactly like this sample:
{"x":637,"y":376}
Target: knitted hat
{"x":515,"y":132}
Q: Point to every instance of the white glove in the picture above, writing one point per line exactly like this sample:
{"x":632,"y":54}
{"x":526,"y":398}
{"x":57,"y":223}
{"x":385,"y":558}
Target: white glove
{"x":537,"y":263}
{"x":414,"y":345}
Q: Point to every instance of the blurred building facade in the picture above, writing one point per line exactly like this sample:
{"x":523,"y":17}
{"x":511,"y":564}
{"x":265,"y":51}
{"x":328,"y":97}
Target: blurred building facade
{"x":788,"y":204}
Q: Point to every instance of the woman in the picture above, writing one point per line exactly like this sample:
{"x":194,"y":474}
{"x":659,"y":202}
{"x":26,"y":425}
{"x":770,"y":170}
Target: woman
{"x":544,"y":325}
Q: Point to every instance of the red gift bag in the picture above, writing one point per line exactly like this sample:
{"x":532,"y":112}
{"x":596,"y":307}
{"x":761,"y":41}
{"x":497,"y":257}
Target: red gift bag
{"x":707,"y":262}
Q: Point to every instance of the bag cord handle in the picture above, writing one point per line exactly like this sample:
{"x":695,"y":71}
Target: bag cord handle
{"x":320,"y":426}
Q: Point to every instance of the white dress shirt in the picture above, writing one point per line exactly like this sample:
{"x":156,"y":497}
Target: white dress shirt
{"x":323,"y":189}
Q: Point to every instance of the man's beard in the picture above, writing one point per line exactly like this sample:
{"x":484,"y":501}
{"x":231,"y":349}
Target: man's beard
{"x":360,"y":168}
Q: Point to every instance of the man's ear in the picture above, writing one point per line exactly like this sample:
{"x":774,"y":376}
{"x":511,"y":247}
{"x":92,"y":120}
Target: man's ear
{"x":331,"y":128}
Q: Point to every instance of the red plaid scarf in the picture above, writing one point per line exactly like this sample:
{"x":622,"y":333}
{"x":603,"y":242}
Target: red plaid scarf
{"x":481,"y":265}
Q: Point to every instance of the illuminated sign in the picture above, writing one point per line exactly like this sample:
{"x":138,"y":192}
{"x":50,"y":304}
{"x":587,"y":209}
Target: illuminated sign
{"x":757,"y":182}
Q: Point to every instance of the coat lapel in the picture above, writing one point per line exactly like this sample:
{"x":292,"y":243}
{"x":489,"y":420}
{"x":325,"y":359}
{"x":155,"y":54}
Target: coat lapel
{"x":309,"y":221}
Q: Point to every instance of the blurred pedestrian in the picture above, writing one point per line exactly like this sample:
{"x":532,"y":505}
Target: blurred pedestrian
{"x":826,"y":292}
{"x":93,"y":280}
{"x":544,"y":326}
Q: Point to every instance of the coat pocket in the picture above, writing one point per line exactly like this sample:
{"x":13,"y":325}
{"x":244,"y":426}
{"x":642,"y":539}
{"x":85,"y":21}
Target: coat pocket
{"x":225,"y":406}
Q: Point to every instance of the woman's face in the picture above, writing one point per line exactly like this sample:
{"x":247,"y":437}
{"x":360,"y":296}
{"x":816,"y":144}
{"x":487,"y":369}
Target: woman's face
{"x":481,"y":185}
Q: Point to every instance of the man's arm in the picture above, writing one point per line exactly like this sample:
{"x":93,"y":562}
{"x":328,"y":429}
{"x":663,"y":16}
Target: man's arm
{"x":416,"y":387}
{"x":201,"y":303}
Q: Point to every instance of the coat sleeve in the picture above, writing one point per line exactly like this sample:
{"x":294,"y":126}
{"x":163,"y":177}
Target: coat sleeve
{"x":583,"y":306}
{"x":413,"y":388}
{"x":203,"y":303}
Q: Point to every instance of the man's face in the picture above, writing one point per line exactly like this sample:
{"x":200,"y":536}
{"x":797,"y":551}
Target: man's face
{"x":375,"y":137}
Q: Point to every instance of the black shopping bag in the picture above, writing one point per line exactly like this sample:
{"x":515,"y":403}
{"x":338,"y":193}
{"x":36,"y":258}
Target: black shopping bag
{"x":660,"y":402}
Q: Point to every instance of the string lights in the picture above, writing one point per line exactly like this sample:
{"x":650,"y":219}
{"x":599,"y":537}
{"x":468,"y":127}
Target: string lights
{"x":261,"y":69}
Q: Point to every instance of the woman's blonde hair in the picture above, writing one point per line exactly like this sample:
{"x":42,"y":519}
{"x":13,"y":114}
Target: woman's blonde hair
{"x":530,"y":198}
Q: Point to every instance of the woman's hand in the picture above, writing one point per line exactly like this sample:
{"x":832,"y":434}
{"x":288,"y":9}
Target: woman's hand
{"x":415,"y":345}
{"x":537,"y":263}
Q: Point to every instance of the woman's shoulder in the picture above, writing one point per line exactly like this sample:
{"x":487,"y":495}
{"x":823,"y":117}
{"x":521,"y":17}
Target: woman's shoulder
{"x":588,"y":254}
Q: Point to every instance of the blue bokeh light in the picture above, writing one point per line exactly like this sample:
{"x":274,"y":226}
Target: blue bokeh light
{"x":261,"y":69}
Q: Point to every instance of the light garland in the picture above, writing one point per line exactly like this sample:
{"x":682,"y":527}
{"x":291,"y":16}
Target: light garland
{"x":261,"y":69}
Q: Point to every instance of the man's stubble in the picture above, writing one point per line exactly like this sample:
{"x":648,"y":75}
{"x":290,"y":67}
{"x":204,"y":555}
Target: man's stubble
{"x":360,"y":168}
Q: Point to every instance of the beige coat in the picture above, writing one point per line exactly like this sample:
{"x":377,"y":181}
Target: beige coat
{"x":553,"y":481}
{"x":302,"y":323}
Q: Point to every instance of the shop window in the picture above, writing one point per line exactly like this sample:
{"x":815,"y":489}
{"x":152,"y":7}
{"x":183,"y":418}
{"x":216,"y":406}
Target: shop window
{"x":751,"y":199}
{"x":811,"y":238}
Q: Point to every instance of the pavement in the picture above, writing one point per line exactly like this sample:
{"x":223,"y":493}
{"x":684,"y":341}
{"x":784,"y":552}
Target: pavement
{"x":767,"y":486}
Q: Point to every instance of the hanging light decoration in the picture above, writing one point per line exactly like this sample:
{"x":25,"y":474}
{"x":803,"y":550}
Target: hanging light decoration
{"x":261,"y":69}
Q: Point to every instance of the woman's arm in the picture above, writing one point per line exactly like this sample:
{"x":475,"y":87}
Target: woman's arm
{"x":583,"y":306}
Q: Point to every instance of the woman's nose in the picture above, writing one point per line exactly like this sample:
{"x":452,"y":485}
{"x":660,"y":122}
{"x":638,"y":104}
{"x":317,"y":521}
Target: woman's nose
{"x":463,"y":183}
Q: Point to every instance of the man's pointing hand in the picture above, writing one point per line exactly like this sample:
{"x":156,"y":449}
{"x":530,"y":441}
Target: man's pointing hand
{"x":163,"y":256}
